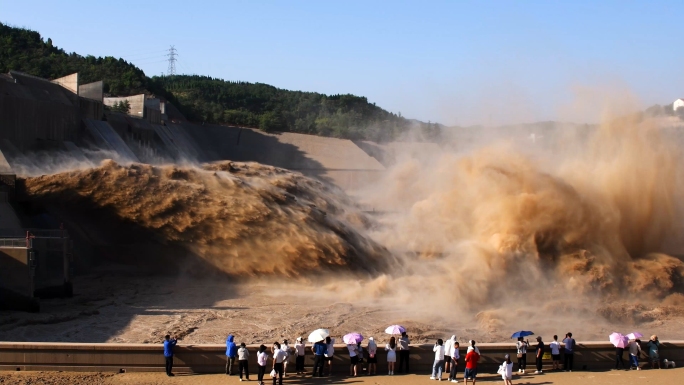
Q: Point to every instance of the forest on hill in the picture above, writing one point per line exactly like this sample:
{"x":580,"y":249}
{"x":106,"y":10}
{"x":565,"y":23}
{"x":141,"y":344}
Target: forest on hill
{"x":206,"y":99}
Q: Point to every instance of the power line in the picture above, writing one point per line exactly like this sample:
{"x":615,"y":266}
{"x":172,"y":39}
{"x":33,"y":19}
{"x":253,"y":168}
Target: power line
{"x":172,"y":61}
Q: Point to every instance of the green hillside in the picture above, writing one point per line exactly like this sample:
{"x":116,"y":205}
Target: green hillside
{"x":24,"y":50}
{"x":211,"y":100}
{"x":273,"y":109}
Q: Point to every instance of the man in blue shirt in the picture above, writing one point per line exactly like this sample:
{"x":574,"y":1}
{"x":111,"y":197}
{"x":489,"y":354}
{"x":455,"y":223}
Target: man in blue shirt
{"x":168,"y":353}
{"x":231,"y":353}
{"x":319,"y":349}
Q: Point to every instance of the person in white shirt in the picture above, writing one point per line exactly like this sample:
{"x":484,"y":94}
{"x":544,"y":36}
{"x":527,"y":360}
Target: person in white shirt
{"x":278,"y":358}
{"x":300,"y":348}
{"x":555,"y":352}
{"x":506,"y":370}
{"x":354,"y":359}
{"x":262,"y":357}
{"x":448,"y":347}
{"x":329,"y":353}
{"x":438,"y":366}
{"x":455,"y":356}
{"x":285,"y":348}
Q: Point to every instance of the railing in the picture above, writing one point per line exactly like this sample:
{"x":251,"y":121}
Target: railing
{"x":33,"y":233}
{"x":14,"y":243}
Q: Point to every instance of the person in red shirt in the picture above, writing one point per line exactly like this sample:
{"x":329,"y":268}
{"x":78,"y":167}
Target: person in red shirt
{"x":471,"y":359}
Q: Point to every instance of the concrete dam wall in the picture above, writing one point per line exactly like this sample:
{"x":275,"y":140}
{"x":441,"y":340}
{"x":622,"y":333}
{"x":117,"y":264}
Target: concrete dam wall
{"x":211,"y":358}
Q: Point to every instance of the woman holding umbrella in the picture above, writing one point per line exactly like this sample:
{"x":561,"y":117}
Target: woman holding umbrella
{"x":522,"y":346}
{"x":403,"y":346}
{"x":352,"y":340}
{"x":634,"y":348}
{"x":620,"y":342}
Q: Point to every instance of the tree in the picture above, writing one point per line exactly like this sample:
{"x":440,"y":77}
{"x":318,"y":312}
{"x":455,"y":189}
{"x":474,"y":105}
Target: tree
{"x":122,"y":106}
{"x":270,"y":121}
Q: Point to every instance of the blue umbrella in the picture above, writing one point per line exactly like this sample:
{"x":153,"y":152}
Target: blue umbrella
{"x":522,"y":333}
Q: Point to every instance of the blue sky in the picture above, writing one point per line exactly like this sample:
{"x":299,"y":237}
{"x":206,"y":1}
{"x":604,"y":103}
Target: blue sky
{"x":456,"y":62}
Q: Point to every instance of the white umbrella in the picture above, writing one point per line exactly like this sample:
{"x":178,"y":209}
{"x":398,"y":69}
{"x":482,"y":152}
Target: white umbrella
{"x":319,"y":335}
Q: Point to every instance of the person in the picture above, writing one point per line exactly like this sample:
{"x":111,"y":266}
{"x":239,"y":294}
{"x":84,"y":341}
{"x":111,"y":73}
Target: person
{"x":438,"y":365}
{"x":404,"y":352}
{"x":353,"y":358}
{"x":359,"y":353}
{"x":300,"y":348}
{"x":539,"y":355}
{"x":569,"y":352}
{"x":330,"y":351}
{"x":372,"y":349}
{"x":231,"y":353}
{"x":391,"y":349}
{"x":286,"y":349}
{"x":522,"y":346}
{"x":243,"y":360}
{"x":506,"y":370}
{"x":653,"y":346}
{"x":555,"y":352}
{"x":318,"y":349}
{"x":278,"y":358}
{"x":455,"y":355}
{"x":471,"y":359}
{"x":619,"y":358}
{"x":262,"y":358}
{"x":634,"y":351}
{"x":169,"y":344}
{"x":448,"y":346}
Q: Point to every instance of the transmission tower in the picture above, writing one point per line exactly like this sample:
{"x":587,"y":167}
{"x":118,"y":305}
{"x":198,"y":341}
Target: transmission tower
{"x":172,"y":61}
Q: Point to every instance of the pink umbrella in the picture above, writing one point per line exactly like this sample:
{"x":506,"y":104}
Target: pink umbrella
{"x":634,"y":335}
{"x":395,"y":329}
{"x":618,"y":340}
{"x":352,"y":338}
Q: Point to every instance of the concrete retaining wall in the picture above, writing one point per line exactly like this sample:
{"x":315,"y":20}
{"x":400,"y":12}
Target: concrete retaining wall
{"x":92,"y":91}
{"x":34,"y":109}
{"x":336,"y":161}
{"x":211,"y":358}
{"x":137,"y":103}
{"x":70,"y":82}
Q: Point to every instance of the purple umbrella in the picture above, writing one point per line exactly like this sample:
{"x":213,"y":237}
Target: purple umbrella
{"x":352,"y":338}
{"x":634,"y":335}
{"x":618,"y":340}
{"x":395,"y":329}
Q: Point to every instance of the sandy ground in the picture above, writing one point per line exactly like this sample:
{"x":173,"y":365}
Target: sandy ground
{"x":668,"y":376}
{"x":126,"y":306}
